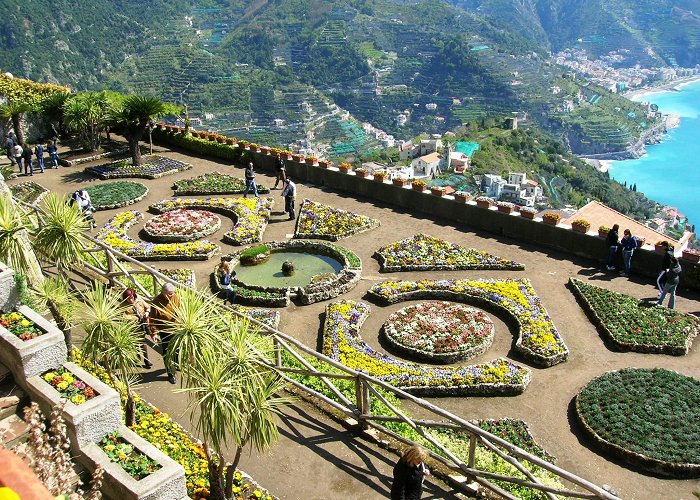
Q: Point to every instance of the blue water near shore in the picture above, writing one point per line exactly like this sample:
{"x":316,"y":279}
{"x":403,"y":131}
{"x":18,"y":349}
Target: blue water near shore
{"x":670,"y":171}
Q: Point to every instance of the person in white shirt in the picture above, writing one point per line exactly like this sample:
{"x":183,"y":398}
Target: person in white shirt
{"x":290,"y":194}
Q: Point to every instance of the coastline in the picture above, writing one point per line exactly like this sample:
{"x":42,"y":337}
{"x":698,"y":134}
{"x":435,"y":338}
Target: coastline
{"x":672,"y":86}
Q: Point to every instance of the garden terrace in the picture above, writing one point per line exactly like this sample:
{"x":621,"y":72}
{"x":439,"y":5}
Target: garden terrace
{"x":635,"y":325}
{"x":648,"y":417}
{"x":251,"y":214}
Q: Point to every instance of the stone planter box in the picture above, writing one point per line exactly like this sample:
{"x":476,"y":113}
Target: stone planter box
{"x":527,"y":215}
{"x":88,"y":422}
{"x":437,"y":192}
{"x":462,"y":198}
{"x":27,"y":358}
{"x":505,"y":210}
{"x":379,"y":178}
{"x":361,"y":173}
{"x":9,"y":297}
{"x":166,"y":483}
{"x":691,"y":256}
{"x":310,"y":161}
{"x":297,"y":158}
{"x":265,"y":151}
{"x":419,"y":188}
{"x":483,"y":204}
{"x":551,"y":222}
{"x":603,"y":234}
{"x":344,"y":170}
{"x":324,"y":164}
{"x":399,"y":182}
{"x":578,"y":228}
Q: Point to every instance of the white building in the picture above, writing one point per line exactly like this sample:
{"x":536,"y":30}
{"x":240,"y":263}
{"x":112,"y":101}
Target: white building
{"x":520,"y":190}
{"x":492,"y":185}
{"x":426,"y":165}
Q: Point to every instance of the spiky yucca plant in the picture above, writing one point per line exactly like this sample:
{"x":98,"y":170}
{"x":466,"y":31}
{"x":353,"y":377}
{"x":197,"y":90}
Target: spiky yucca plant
{"x":54,"y":294}
{"x":60,"y":235}
{"x":15,"y":247}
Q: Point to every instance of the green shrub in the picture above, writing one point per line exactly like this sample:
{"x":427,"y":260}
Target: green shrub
{"x":109,"y":194}
{"x":251,"y":252}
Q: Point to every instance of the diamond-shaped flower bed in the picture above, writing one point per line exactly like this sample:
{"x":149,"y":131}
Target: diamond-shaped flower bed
{"x":153,"y":166}
{"x":342,"y":342}
{"x":182,"y":225}
{"x":648,"y":417}
{"x":251,"y":214}
{"x":537,"y":338}
{"x":213,"y":183}
{"x":630,"y":324}
{"x":427,"y":253}
{"x":108,"y":195}
{"x":327,"y":223}
{"x":29,"y":192}
{"x":114,"y":235}
{"x":439,"y":331}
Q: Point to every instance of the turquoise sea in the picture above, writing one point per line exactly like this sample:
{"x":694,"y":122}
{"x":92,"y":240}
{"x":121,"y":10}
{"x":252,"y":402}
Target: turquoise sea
{"x":670,"y":171}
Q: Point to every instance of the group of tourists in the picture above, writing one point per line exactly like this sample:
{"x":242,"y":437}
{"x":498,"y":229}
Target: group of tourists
{"x":669,"y":276}
{"x":289,"y":189}
{"x":154,"y":320}
{"x":24,"y":155}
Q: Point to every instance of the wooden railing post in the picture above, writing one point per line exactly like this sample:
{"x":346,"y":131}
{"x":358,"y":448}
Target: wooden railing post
{"x":362,"y":401}
{"x":472,"y":450}
{"x":278,"y":352}
{"x":110,"y":268}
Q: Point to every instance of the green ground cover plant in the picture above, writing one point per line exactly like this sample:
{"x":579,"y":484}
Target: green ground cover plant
{"x":138,"y":465}
{"x":632,"y":324}
{"x":648,"y":417}
{"x":116,"y":194}
{"x":213,"y":183}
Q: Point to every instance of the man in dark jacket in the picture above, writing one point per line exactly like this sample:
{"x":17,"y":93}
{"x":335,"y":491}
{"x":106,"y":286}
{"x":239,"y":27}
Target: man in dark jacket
{"x":673,"y":277}
{"x":613,"y":244}
{"x":9,"y":144}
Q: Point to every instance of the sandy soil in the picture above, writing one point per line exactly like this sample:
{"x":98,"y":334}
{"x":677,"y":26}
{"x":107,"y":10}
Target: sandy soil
{"x":317,"y":459}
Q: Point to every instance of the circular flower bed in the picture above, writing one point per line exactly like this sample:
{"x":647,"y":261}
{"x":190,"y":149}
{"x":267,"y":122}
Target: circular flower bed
{"x":648,"y":417}
{"x":439,"y":331}
{"x":182,"y":225}
{"x":116,"y":194}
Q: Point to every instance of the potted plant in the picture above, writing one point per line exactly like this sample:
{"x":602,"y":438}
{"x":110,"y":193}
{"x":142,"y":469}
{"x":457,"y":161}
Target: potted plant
{"x":551,"y":218}
{"x":380,"y":176}
{"x":438,"y":191}
{"x":324,"y":163}
{"x":527,"y":212}
{"x":505,"y":207}
{"x":264,"y":150}
{"x":220,"y":139}
{"x":462,"y":196}
{"x":419,"y":185}
{"x":691,"y":255}
{"x":297,"y":157}
{"x":230,"y":141}
{"x":345,"y":167}
{"x":580,"y":226}
{"x":310,"y":160}
{"x":285,"y":154}
{"x":253,"y":146}
{"x":361,"y":172}
{"x":641,"y":240}
{"x":603,"y":231}
{"x":662,"y":246}
{"x":483,"y":202}
{"x":399,"y":181}
{"x":243,"y":144}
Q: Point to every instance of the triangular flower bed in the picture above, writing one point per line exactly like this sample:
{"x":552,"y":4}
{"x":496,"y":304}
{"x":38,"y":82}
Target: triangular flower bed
{"x":324,"y":222}
{"x":342,"y":342}
{"x":29,"y":192}
{"x":427,"y":253}
{"x":631,"y":324}
{"x":537,"y":338}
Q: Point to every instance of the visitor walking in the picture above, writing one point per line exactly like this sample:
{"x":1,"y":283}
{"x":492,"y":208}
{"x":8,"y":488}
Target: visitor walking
{"x":9,"y":144}
{"x":17,"y":153}
{"x":138,"y":309}
{"x":39,"y":153}
{"x":613,"y":240}
{"x":409,"y":473}
{"x":160,"y":323}
{"x":673,"y":276}
{"x":226,"y":276}
{"x":665,"y":265}
{"x":53,"y":154}
{"x":281,"y":171}
{"x":82,"y":199}
{"x":250,"y":181}
{"x":290,"y":194}
{"x":28,"y":163}
{"x":628,"y":244}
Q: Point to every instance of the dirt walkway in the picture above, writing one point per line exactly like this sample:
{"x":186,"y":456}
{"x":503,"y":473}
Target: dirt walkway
{"x":317,"y":459}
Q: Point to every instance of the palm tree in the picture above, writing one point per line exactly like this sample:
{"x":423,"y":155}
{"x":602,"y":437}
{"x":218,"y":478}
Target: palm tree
{"x":60,"y":236}
{"x":132,"y":117}
{"x":87,"y":114}
{"x":15,"y":111}
{"x":232,"y":398}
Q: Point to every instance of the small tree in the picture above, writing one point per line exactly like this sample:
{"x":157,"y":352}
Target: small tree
{"x":87,"y":114}
{"x":15,"y":111}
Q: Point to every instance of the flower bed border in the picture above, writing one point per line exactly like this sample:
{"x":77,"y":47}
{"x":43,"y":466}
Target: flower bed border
{"x":230,"y":207}
{"x":373,"y":223}
{"x":121,"y":230}
{"x":446,"y":358}
{"x":384,"y":268}
{"x":184,"y":192}
{"x":608,"y":336}
{"x":42,"y":191}
{"x":175,"y":238}
{"x":650,"y":464}
{"x":28,"y":358}
{"x":136,"y":175}
{"x":88,"y":422}
{"x":445,"y":289}
{"x":360,"y":312}
{"x":166,"y":483}
{"x":345,"y":280}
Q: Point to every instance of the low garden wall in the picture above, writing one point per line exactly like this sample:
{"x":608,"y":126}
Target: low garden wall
{"x":561,"y":238}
